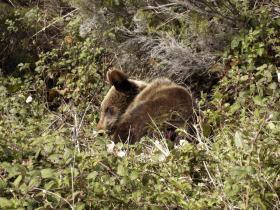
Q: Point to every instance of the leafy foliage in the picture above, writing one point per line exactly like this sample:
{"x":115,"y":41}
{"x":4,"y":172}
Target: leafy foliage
{"x":50,"y":154}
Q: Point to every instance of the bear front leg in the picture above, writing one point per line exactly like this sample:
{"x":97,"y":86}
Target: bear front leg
{"x":131,"y":127}
{"x":133,"y":124}
{"x":128,"y":131}
{"x":121,"y":132}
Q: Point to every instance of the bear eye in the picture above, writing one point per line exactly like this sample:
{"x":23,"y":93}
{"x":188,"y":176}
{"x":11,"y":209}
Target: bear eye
{"x":109,"y":110}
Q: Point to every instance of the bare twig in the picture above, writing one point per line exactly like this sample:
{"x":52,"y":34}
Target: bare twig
{"x":84,"y":114}
{"x":206,"y":168}
{"x":109,"y":170}
{"x":12,"y":3}
{"x":51,"y":193}
{"x":161,"y":6}
{"x":44,"y":28}
{"x":75,"y":140}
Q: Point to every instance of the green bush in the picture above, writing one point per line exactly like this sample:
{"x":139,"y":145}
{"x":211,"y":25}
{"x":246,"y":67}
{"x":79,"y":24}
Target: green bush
{"x":28,"y":28}
{"x":15,"y":32}
{"x":246,"y":117}
{"x":52,"y":158}
{"x":71,"y":72}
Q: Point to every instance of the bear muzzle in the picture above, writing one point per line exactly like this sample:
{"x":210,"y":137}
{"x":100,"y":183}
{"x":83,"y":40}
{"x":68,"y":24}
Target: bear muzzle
{"x":102,"y":128}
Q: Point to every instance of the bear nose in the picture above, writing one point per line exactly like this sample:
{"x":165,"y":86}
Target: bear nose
{"x":101,"y":133}
{"x":100,"y":128}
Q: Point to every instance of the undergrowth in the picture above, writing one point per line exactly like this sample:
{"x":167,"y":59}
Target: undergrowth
{"x":52,"y":158}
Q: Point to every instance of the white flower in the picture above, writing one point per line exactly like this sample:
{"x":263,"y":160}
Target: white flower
{"x":182,"y":142}
{"x":121,"y":153}
{"x":270,"y":117}
{"x":278,"y":75}
{"x":29,"y":99}
{"x":95,"y":133}
{"x":162,"y":157}
{"x":110,"y":147}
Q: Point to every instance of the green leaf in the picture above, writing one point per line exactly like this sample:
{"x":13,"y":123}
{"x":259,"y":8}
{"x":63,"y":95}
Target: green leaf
{"x":3,"y":185}
{"x":233,"y":108}
{"x":238,"y":139}
{"x":92,"y":175}
{"x":34,"y":182}
{"x":80,"y":206}
{"x":271,"y":126}
{"x":136,"y":196}
{"x":47,"y":173}
{"x":49,"y":185}
{"x":23,"y":188}
{"x":272,"y":86}
{"x":122,"y":171}
{"x":259,"y":201}
{"x":17,"y":181}
{"x":258,"y":100}
{"x":134,"y":175}
{"x":231,"y":189}
{"x":260,"y":51}
{"x":243,"y":171}
{"x":235,"y":42}
{"x":116,"y":2}
{"x":54,"y":158}
{"x":5,"y":203}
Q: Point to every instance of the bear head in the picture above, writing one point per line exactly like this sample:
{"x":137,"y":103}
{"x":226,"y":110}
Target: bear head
{"x":118,"y":98}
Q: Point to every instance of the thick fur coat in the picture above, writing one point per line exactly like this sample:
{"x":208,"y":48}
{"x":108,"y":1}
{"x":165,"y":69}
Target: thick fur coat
{"x":132,"y":107}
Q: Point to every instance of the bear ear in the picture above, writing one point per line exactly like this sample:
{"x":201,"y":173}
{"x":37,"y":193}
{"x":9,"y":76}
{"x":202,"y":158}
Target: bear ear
{"x":120,"y":81}
{"x":115,"y":76}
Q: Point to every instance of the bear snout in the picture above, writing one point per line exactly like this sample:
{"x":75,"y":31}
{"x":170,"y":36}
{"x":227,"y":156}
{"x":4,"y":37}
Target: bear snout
{"x":100,"y":125}
{"x":102,"y":128}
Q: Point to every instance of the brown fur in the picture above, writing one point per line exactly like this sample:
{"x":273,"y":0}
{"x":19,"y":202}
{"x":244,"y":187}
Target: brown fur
{"x":131,"y":106}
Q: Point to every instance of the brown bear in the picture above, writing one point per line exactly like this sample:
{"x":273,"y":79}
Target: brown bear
{"x":131,"y":106}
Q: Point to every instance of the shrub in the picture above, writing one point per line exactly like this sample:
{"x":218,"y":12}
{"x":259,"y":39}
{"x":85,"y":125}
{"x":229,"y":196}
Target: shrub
{"x":51,"y":157}
{"x":28,"y":28}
